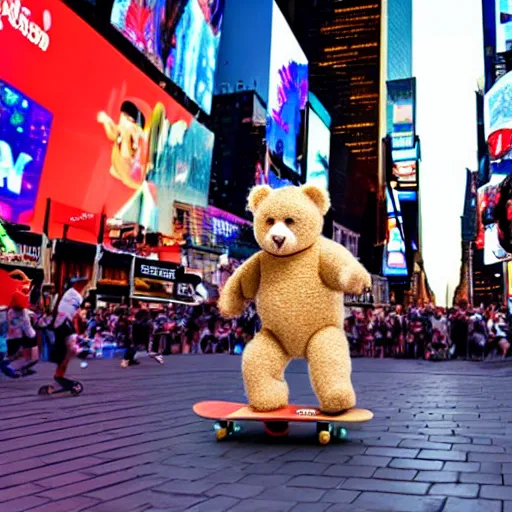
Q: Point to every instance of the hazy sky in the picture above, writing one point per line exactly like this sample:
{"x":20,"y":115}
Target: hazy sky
{"x":447,"y":62}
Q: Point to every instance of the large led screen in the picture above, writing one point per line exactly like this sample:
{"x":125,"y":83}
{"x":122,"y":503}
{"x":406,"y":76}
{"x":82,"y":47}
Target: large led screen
{"x":319,"y":150}
{"x":180,"y":37}
{"x":287,"y":97}
{"x":401,"y":123}
{"x":118,"y":143}
{"x":498,"y":117}
{"x":394,"y":257}
{"x":503,"y":25}
{"x":24,"y":132}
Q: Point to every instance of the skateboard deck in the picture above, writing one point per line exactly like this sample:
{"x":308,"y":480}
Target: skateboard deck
{"x":228,"y":413}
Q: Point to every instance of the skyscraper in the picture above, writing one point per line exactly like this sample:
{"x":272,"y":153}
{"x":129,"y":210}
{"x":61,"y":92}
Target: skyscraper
{"x":342,"y":43}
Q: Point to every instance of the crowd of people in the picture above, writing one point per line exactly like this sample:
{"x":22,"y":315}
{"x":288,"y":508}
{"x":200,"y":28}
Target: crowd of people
{"x":421,"y":333}
{"x":429,"y":333}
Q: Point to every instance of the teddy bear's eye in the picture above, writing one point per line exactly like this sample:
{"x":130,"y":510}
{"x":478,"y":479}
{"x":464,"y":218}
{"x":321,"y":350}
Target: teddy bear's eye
{"x":270,"y":221}
{"x":289,"y":221}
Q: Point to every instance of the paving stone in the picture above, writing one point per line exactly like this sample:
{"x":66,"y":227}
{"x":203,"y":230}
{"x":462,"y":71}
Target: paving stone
{"x":496,"y":492}
{"x":18,"y":491}
{"x":218,"y":504}
{"x":61,"y":480}
{"x":450,"y":439}
{"x":437,"y":476}
{"x":491,"y":467}
{"x":315,"y":482}
{"x":442,"y":455}
{"x":266,"y":468}
{"x":241,"y":491}
{"x":266,"y":480}
{"x":179,"y":487}
{"x":490,"y":457}
{"x":378,"y":501}
{"x":424,"y":445}
{"x":361,"y":484}
{"x":395,"y":474}
{"x":393,"y":452}
{"x":252,"y":505}
{"x":461,"y":490}
{"x":340,"y":496}
{"x":507,"y":506}
{"x":22,"y":504}
{"x":368,"y":460}
{"x":302,"y":468}
{"x":427,"y":465}
{"x":311,"y":507}
{"x":471,"y":505}
{"x":295,"y":494}
{"x":466,"y":467}
{"x":75,"y":504}
{"x":479,"y":448}
{"x":482,"y":478}
{"x":350,"y":471}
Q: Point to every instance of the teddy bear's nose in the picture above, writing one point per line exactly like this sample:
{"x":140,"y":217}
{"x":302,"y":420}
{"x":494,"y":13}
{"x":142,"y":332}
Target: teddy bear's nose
{"x":278,"y":240}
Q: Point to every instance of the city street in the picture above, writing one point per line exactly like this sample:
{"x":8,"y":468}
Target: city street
{"x":441,"y":439}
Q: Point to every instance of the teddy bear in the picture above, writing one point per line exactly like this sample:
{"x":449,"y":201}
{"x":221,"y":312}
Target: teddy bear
{"x":297,"y":282}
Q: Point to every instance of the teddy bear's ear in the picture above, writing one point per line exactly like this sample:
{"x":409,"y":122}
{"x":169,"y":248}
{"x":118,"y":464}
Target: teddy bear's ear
{"x":256,"y":196}
{"x":319,"y":196}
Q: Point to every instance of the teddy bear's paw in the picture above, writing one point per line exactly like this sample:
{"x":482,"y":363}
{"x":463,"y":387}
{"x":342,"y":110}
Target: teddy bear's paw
{"x":338,"y":400}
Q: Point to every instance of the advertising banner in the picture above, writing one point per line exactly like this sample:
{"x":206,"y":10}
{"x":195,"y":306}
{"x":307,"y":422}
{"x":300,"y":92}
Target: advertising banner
{"x":117,"y":143}
{"x":503,"y":11}
{"x":287,"y":97}
{"x":401,"y":113}
{"x":405,"y":173}
{"x":163,"y":281}
{"x":394,"y":257}
{"x":318,"y":150}
{"x":498,"y":117}
{"x":180,"y":37}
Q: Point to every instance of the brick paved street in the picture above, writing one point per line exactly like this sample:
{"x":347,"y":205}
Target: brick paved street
{"x":441,"y":439}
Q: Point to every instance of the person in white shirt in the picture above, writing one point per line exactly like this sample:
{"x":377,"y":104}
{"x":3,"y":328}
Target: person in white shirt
{"x":65,"y":332}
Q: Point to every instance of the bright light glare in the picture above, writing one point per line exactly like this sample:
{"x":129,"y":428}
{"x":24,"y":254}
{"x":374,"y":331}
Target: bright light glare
{"x":447,"y":62}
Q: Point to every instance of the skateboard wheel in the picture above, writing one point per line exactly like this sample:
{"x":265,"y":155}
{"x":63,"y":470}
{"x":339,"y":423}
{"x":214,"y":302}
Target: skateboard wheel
{"x":43,"y":390}
{"x":77,"y":388}
{"x":221,"y":433}
{"x":324,"y":437}
{"x":342,"y":433}
{"x":277,"y":428}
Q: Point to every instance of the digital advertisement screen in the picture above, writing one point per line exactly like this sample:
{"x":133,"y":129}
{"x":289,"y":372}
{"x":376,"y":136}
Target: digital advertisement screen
{"x":319,"y":149}
{"x":394,"y":262}
{"x":503,"y":25}
{"x":401,"y":113}
{"x":118,"y":144}
{"x":498,"y":117}
{"x":180,"y":37}
{"x":405,"y":173}
{"x":287,"y":96}
{"x":494,"y":218}
{"x":24,"y":133}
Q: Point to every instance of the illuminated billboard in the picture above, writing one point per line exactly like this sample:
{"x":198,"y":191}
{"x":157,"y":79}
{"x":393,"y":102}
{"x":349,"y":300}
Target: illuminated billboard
{"x":180,"y":37}
{"x":498,"y":117}
{"x":503,"y":11}
{"x":118,"y":143}
{"x":287,"y":97}
{"x":24,"y":133}
{"x":394,"y":261}
{"x":401,"y":113}
{"x":405,"y":173}
{"x":319,"y":146}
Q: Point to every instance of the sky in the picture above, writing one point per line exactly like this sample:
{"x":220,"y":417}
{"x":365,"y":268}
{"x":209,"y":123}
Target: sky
{"x":447,"y":62}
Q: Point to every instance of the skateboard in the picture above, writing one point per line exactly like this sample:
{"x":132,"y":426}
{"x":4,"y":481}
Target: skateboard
{"x":66,"y":385}
{"x":276,"y":423}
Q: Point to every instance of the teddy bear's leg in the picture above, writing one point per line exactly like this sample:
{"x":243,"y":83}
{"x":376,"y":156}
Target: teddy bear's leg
{"x":330,"y":370}
{"x":263,"y":365}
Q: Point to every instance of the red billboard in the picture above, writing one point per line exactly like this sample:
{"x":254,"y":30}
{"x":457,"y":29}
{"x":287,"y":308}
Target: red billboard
{"x":117,"y":143}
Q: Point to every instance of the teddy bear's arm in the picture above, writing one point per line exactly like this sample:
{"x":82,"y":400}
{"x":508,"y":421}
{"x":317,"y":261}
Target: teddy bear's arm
{"x":240,"y":287}
{"x":340,"y":271}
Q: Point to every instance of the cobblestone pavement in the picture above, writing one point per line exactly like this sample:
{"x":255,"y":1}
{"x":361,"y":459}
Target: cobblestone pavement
{"x":441,"y":439}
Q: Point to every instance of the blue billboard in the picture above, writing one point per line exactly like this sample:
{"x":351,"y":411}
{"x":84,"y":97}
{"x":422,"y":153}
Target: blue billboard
{"x":401,"y":113}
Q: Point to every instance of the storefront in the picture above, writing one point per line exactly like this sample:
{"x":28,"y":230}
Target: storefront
{"x":113,"y":284}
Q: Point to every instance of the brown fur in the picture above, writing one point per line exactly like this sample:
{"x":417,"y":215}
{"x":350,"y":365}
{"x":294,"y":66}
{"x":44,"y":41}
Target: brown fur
{"x":298,"y":289}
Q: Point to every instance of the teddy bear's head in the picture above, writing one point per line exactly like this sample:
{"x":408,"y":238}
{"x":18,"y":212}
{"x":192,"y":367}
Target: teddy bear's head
{"x":288,"y":220}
